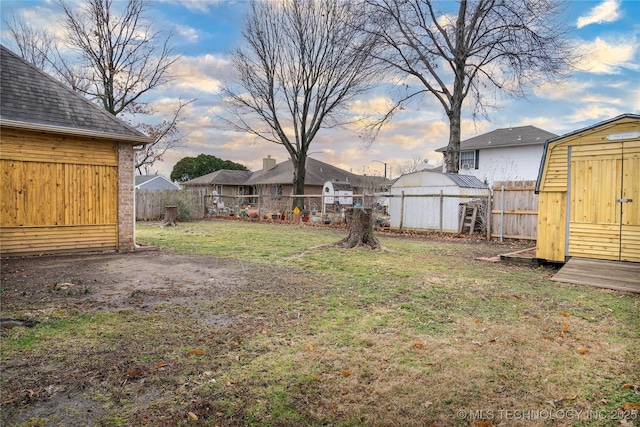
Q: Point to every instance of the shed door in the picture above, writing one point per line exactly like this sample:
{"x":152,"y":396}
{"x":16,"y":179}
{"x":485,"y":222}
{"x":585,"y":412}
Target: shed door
{"x":604,"y":218}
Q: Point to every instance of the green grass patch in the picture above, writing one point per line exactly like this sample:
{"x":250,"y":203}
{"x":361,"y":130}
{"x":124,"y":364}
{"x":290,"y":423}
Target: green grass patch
{"x":326,"y":336}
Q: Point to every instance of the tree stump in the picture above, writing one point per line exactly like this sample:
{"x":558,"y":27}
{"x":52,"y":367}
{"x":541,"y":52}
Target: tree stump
{"x":360,"y":226}
{"x":170,"y":216}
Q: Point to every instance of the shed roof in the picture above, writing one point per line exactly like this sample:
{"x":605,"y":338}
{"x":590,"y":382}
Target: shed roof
{"x":506,"y":137}
{"x":574,"y":133}
{"x":32,"y":99}
{"x":341,"y":185}
{"x":466,"y":181}
{"x":425,"y":178}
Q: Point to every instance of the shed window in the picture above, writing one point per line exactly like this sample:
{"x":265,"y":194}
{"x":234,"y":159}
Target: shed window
{"x":469,"y":159}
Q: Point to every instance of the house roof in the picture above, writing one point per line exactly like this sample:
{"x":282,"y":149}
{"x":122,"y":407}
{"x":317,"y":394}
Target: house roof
{"x":577,"y":132}
{"x":141,"y":180}
{"x":507,"y":137}
{"x":224,"y":176}
{"x":317,"y":173}
{"x":32,"y":99}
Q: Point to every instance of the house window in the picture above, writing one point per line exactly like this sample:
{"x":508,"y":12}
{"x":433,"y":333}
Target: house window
{"x":219,"y":189}
{"x":276,"y":191}
{"x":240,"y":190}
{"x":469,"y":160}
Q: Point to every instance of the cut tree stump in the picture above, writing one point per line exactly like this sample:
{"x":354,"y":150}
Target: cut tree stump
{"x":360,"y":226}
{"x":170,"y":216}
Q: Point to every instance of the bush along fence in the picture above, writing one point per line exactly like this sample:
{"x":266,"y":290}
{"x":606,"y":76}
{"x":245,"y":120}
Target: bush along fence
{"x":515,"y":210}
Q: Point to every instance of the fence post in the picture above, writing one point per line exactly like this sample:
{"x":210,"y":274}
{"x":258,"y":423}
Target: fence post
{"x":502,"y":213}
{"x":401,"y":210}
{"x":488,"y":216}
{"x":441,"y":209}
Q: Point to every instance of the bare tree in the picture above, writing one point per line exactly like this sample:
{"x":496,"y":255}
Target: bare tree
{"x":301,"y":64}
{"x":412,"y":165}
{"x":166,"y":136}
{"x":119,"y":60}
{"x":122,"y":57}
{"x":482,"y":49}
{"x":36,"y":45}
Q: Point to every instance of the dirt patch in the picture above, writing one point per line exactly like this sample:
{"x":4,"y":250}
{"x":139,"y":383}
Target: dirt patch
{"x":186,"y":301}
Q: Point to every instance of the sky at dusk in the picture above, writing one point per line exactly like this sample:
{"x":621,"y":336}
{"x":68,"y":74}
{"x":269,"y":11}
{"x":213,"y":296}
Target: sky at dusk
{"x":606,"y":84}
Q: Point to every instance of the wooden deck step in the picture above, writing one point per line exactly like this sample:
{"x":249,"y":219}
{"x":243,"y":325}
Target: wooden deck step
{"x":621,"y":276}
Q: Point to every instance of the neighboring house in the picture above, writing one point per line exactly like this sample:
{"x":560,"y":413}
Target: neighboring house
{"x":510,"y":154}
{"x":223,"y":182}
{"x":67,"y":167}
{"x":589,"y":193}
{"x":276,"y":180}
{"x":154,"y":182}
{"x":429,"y":200}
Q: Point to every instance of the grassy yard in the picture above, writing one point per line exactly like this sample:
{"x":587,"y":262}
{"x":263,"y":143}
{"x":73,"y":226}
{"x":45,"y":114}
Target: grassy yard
{"x":422,"y":334}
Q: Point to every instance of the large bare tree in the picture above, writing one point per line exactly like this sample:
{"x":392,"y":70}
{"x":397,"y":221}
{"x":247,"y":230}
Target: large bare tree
{"x":474,"y":51}
{"x":123,"y":58}
{"x":118,"y":60}
{"x":300,"y":64}
{"x":36,"y":45}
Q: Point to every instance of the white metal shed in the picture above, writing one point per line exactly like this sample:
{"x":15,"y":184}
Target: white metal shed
{"x":427,"y":200}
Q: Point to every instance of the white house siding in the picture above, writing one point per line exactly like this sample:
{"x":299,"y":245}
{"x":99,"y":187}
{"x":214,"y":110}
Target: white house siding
{"x":423,"y":213}
{"x":520,"y":163}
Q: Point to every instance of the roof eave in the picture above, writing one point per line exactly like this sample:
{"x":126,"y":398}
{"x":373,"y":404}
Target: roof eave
{"x":134,"y":139}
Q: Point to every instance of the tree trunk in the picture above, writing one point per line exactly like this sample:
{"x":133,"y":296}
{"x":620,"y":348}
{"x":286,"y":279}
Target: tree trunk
{"x":300,"y":170}
{"x":170,"y":216}
{"x":360,"y":224}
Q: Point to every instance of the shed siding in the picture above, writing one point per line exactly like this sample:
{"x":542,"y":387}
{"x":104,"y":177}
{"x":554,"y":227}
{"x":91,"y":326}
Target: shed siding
{"x":551,"y":226}
{"x":58,"y":193}
{"x":630,"y":245}
{"x":603,"y":163}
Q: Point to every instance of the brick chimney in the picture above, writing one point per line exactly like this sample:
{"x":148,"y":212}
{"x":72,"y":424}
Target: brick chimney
{"x":268,"y":163}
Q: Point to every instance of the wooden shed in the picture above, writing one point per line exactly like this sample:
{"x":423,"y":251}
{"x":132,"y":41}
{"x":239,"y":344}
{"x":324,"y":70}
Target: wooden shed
{"x":589,"y":193}
{"x":66,"y":167}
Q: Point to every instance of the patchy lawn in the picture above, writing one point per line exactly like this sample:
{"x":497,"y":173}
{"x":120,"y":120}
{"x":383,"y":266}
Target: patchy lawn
{"x":240,"y":323}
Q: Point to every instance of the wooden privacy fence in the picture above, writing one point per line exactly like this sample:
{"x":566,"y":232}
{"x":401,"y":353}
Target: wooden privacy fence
{"x":150,"y":204}
{"x":514,"y":213}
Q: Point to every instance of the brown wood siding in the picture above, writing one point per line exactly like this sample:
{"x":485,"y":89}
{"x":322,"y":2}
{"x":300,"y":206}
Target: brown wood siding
{"x":54,"y":239}
{"x":595,"y":182}
{"x":42,"y":147}
{"x":60,"y":194}
{"x":551,"y":226}
{"x":555,"y":175}
{"x":599,"y":175}
{"x":630,"y":244}
{"x":588,"y":240}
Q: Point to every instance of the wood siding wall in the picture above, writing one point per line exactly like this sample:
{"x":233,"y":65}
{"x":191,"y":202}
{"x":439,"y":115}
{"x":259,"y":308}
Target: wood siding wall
{"x":584,"y":177}
{"x":59,"y":193}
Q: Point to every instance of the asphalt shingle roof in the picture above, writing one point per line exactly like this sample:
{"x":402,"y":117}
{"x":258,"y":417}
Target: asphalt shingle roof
{"x":317,"y":174}
{"x":224,"y":176}
{"x":30,"y":96}
{"x":507,"y":137}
